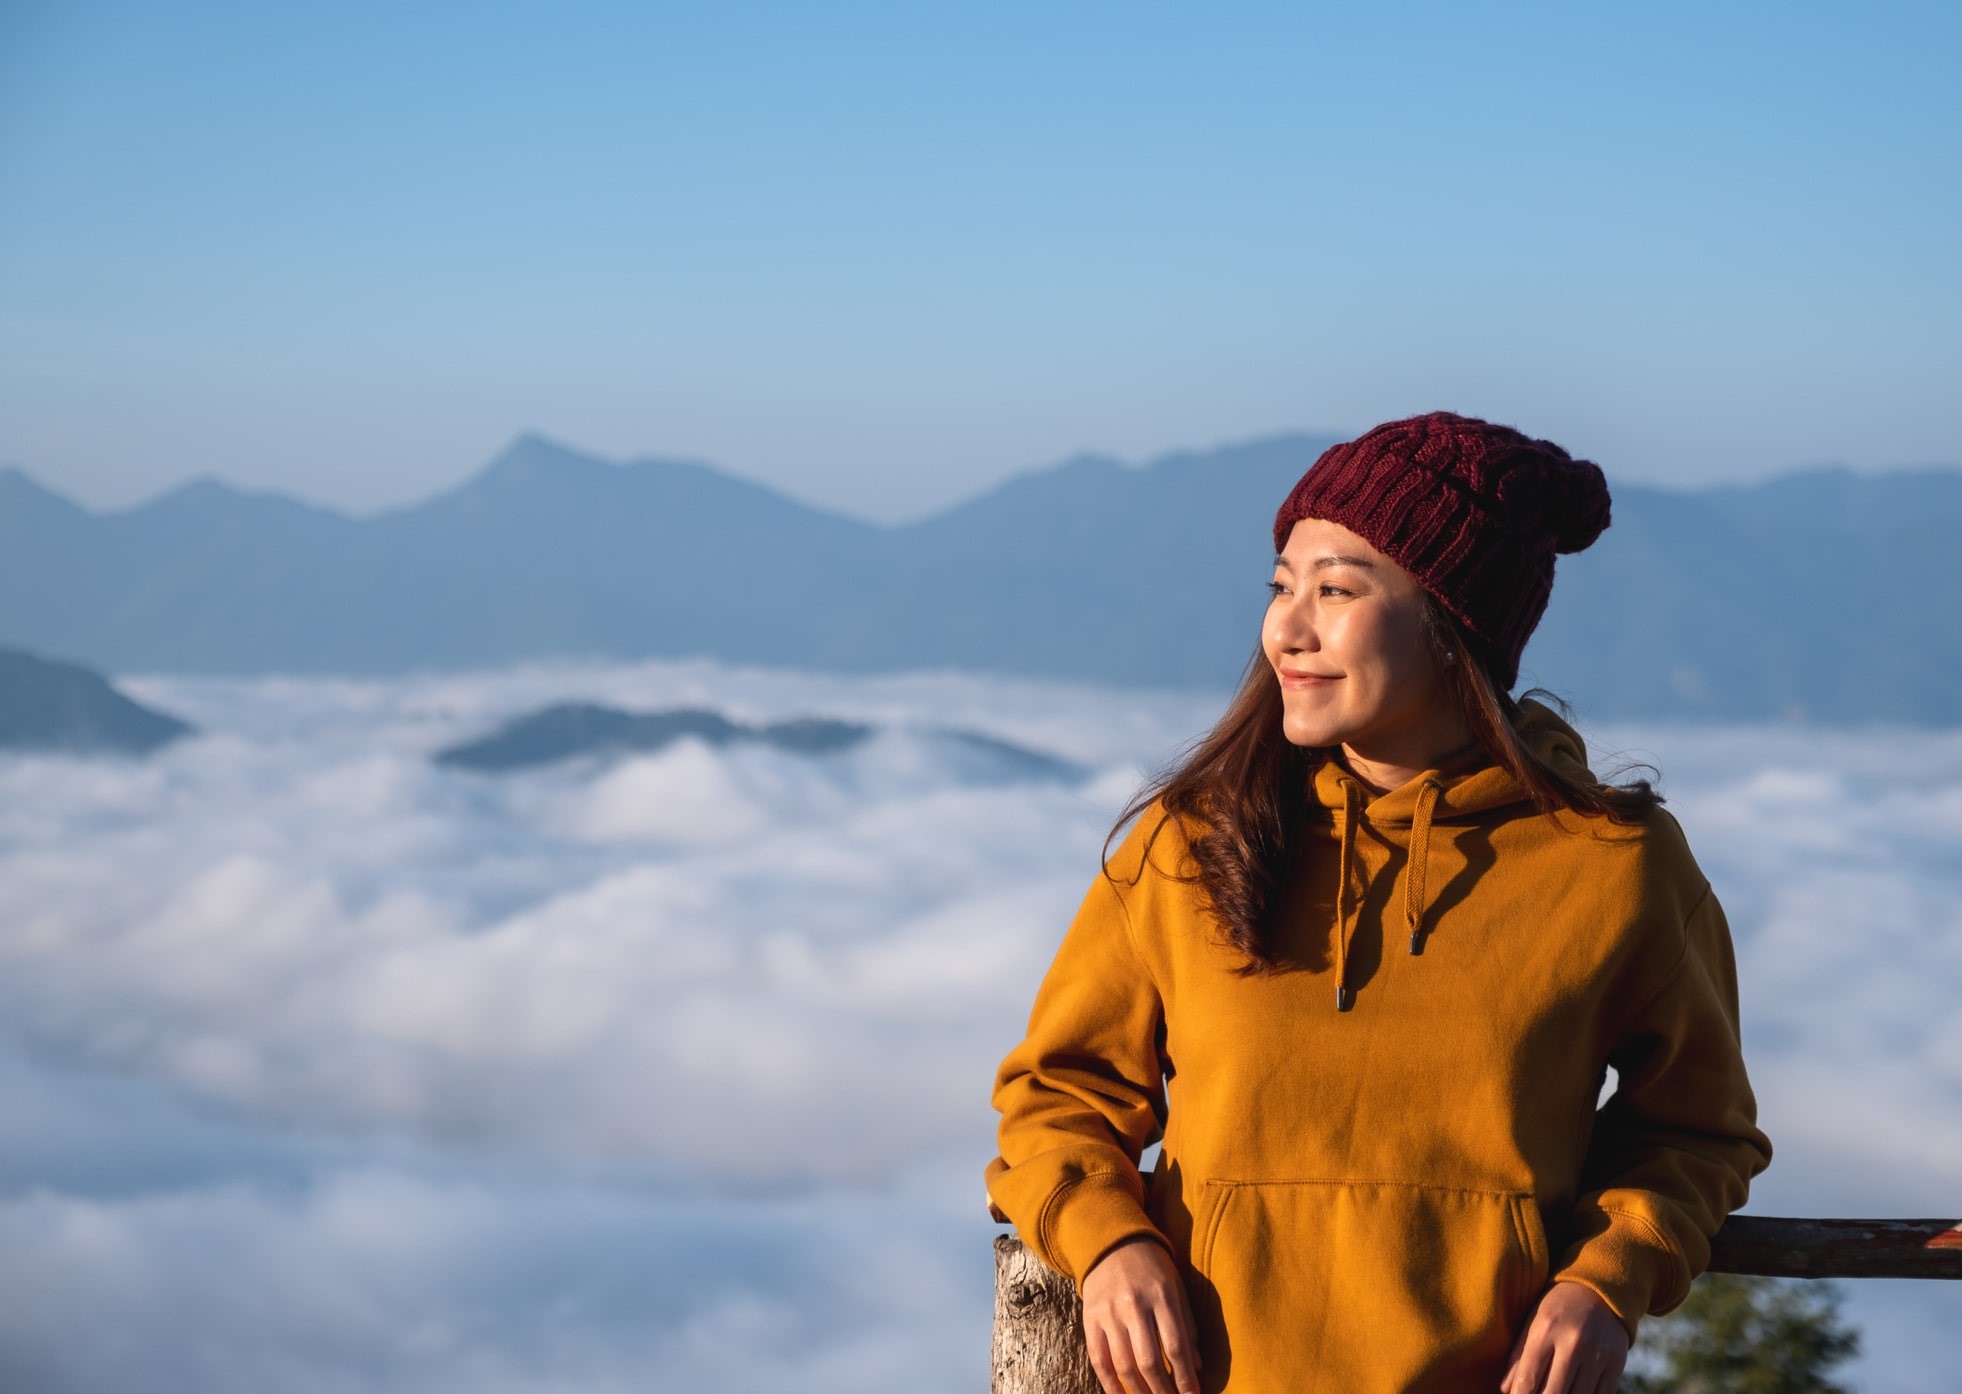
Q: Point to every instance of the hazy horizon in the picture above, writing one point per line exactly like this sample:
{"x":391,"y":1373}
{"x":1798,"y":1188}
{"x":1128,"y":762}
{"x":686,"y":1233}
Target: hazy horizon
{"x":640,"y":456}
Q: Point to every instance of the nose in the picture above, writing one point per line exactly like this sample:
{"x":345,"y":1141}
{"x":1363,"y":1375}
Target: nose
{"x":1290,"y":628}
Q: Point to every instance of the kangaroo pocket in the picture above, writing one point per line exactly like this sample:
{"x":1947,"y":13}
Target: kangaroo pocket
{"x":1354,"y":1287}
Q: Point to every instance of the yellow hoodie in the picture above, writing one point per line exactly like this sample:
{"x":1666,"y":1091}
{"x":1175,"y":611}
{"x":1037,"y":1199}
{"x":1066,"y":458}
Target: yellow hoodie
{"x":1373,"y":1163}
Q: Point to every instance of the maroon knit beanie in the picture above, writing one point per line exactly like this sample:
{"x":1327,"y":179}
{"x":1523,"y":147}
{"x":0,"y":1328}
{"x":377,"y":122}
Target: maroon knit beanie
{"x":1474,"y":511}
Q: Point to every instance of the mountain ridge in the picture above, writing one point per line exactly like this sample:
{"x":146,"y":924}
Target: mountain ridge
{"x":19,"y":478}
{"x":1818,"y":594}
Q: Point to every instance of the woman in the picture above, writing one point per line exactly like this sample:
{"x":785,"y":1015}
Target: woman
{"x":1362,"y":966}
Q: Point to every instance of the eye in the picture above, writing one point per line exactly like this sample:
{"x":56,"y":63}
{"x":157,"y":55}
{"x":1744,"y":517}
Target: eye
{"x":1327,"y":589}
{"x":1276,"y":590}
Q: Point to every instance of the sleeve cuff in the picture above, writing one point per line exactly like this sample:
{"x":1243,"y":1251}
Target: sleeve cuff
{"x":1628,"y":1266}
{"x":1090,"y":1216}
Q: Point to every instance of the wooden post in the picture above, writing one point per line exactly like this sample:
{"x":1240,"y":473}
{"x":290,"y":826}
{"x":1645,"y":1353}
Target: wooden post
{"x":1038,"y":1345}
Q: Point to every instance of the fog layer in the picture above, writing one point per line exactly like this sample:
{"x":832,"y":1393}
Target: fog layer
{"x":324,"y":1069}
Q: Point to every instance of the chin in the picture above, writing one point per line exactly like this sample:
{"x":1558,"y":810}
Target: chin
{"x":1309,"y":734}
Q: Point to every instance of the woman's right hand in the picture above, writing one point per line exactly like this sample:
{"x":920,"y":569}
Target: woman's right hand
{"x":1137,"y":1320}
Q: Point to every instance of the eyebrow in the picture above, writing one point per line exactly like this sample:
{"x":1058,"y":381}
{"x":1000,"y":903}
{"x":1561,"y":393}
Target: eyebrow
{"x":1322,"y":563}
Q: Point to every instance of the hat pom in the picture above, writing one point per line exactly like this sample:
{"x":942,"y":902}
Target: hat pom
{"x":1548,"y":492}
{"x":1579,"y":506}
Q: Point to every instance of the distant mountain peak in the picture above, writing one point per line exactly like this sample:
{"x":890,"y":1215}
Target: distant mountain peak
{"x":18,"y":483}
{"x":21,"y":491}
{"x":199,"y":489}
{"x":532,"y":456}
{"x":535,"y":473}
{"x":208,"y":497}
{"x":567,"y":730}
{"x":55,"y":706}
{"x":532,"y":460}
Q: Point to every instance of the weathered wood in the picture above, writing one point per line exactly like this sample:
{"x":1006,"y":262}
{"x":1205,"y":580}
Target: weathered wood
{"x":1770,"y":1247}
{"x":1038,"y":1345}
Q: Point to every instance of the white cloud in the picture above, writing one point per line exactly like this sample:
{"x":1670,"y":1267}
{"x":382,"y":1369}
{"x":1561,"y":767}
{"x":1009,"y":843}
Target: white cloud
{"x":379,"y":1281}
{"x":349,"y":1071}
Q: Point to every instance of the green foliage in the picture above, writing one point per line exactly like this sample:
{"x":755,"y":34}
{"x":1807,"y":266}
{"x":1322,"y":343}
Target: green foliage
{"x":1736,"y":1335}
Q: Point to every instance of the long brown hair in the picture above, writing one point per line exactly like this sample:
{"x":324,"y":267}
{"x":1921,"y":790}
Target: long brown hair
{"x":1244,"y":784}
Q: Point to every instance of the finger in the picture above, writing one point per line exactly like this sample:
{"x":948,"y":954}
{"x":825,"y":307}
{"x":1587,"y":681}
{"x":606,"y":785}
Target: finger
{"x":1514,"y":1381}
{"x":1528,"y":1374}
{"x":1099,"y":1348}
{"x":1560,"y":1374}
{"x":1175,"y":1338}
{"x":1144,"y":1350}
{"x":1610,"y":1380}
{"x":1182,"y":1308}
{"x":1123,"y":1359}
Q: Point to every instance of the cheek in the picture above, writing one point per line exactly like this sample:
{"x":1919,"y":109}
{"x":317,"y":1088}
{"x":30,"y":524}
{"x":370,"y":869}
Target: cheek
{"x":1408,"y":660}
{"x":1389,"y":650}
{"x":1366,"y":639}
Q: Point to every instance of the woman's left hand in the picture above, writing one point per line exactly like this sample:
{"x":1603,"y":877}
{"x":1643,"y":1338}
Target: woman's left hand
{"x":1572,"y":1344}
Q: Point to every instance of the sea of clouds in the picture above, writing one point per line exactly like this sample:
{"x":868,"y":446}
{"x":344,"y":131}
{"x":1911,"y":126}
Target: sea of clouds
{"x":325,"y":1069}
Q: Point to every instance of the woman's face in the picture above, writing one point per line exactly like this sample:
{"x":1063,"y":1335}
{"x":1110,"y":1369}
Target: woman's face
{"x":1346,"y":638}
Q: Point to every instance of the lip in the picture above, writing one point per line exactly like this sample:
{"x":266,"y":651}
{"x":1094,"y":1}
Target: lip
{"x":1291,"y":677}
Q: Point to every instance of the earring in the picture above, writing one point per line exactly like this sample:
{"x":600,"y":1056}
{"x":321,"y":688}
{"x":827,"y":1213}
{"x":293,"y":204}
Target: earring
{"x":1450,"y":656}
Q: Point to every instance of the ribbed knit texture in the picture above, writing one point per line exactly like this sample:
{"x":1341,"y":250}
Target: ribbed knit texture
{"x":1473,"y":510}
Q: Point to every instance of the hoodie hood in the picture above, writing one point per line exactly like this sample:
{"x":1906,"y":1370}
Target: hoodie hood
{"x":1466,"y":787}
{"x":1470,"y":784}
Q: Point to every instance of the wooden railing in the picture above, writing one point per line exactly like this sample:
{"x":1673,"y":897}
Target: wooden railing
{"x":1038,"y":1341}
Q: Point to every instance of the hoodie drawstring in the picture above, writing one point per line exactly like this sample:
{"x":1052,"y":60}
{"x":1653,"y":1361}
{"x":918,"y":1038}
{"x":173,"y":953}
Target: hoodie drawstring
{"x":1420,"y":849}
{"x":1413,"y":881}
{"x":1351,"y":812}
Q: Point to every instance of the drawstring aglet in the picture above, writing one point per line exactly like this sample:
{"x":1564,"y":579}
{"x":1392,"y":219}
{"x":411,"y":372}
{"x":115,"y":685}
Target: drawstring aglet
{"x":1416,"y":941}
{"x":1344,"y":998}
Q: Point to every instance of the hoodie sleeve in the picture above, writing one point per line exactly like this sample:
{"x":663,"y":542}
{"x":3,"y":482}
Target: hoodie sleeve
{"x":1674,"y":1149}
{"x":1082,"y":1096}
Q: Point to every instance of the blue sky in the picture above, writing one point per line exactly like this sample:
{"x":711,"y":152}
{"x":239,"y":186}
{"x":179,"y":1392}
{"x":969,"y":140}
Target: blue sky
{"x":881,"y":255}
